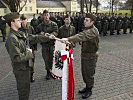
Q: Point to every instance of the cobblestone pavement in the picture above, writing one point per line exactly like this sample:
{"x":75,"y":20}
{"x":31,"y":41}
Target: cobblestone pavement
{"x":113,"y":78}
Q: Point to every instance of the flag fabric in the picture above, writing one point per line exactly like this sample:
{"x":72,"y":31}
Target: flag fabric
{"x":68,"y":75}
{"x":57,"y":65}
{"x":63,"y":69}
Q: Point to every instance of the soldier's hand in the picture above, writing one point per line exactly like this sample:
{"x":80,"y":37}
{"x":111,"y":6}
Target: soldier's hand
{"x":47,"y":34}
{"x":52,"y":36}
{"x":65,"y":40}
{"x":29,"y":50}
{"x":42,"y":33}
{"x":29,"y":53}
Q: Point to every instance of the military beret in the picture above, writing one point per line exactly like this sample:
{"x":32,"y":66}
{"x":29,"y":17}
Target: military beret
{"x":45,"y":11}
{"x":11,"y":16}
{"x":23,"y":17}
{"x":91,"y":16}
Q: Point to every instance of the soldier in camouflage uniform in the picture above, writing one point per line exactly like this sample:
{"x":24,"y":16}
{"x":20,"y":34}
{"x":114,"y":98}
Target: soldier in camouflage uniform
{"x":48,"y":26}
{"x":19,"y":54}
{"x":28,"y":30}
{"x":125,"y":23}
{"x":98,"y":23}
{"x":105,"y":22}
{"x":34,"y":23}
{"x":112,"y":24}
{"x":90,"y":44}
{"x":119,"y":23}
{"x":3,"y":28}
{"x":66,"y":30}
{"x":131,"y":23}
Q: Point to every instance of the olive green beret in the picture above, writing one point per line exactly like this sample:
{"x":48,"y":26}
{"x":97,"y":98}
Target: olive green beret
{"x":45,"y":11}
{"x":23,"y":17}
{"x":91,"y":16}
{"x":11,"y":16}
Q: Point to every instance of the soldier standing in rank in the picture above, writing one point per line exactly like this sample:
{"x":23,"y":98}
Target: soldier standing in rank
{"x":66,"y":30}
{"x":34,"y":23}
{"x":125,"y":23}
{"x":131,"y":23}
{"x":48,"y":26}
{"x":98,"y":23}
{"x":3,"y":28}
{"x":28,"y":30}
{"x":112,"y":24}
{"x":20,"y":54}
{"x":119,"y":23}
{"x":90,"y":44}
{"x":59,"y":20}
{"x":80,"y":22}
{"x":105,"y":22}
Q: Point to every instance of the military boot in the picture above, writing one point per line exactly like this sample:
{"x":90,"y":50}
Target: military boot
{"x":82,"y":91}
{"x":87,"y":93}
{"x":32,"y":78}
{"x":48,"y":75}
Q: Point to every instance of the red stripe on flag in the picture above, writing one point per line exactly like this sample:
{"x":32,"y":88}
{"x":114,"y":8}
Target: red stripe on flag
{"x":70,"y":91}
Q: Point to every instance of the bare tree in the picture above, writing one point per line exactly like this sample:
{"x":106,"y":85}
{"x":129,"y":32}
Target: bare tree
{"x":96,"y":4}
{"x":129,"y":3}
{"x":14,"y":5}
{"x":112,"y":3}
{"x":90,"y":6}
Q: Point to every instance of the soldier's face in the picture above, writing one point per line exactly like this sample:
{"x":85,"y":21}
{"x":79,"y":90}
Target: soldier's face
{"x":16,"y":23}
{"x":67,"y":21}
{"x":46,"y":16}
{"x":24,"y":22}
{"x":88,"y":22}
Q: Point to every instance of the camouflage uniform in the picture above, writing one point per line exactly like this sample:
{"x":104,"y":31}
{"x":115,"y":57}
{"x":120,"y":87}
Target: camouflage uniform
{"x":90,"y":44}
{"x":3,"y":28}
{"x":65,"y":32}
{"x":112,"y":24}
{"x":119,"y":23}
{"x":48,"y":47}
{"x":131,"y":24}
{"x":125,"y":24}
{"x":105,"y":21}
{"x":19,"y":55}
{"x":98,"y":24}
{"x":29,"y":30}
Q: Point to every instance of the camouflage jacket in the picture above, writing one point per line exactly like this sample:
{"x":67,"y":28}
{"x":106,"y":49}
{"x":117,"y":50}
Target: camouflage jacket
{"x":50,"y":28}
{"x":90,"y":40}
{"x":65,"y":32}
{"x":16,"y":48}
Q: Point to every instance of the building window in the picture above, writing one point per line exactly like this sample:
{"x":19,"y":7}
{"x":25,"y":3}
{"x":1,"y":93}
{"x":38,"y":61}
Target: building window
{"x":25,"y":8}
{"x":30,"y":8}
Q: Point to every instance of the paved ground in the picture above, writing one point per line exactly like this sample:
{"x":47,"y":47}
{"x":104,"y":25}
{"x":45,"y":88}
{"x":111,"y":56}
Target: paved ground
{"x":113,"y":79}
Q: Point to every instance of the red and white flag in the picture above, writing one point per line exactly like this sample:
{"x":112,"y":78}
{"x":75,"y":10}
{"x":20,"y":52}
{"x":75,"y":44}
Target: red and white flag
{"x":68,"y":75}
{"x":63,"y":69}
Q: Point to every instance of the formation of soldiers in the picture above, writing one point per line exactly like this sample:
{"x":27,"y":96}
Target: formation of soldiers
{"x":106,"y":24}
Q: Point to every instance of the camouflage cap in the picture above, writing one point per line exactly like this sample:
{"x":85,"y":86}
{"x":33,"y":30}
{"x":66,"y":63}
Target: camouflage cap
{"x":91,"y":16}
{"x":11,"y":16}
{"x":23,"y":17}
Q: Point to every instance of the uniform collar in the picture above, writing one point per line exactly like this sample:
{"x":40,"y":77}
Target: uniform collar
{"x":89,"y":27}
{"x":47,"y":23}
{"x":18,"y":33}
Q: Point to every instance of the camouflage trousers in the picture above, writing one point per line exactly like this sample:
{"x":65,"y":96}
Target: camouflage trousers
{"x":88,"y":70}
{"x":23,"y":83}
{"x":47,"y":54}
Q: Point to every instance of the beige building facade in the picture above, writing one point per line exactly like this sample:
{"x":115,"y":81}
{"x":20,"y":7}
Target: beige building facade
{"x":30,"y":7}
